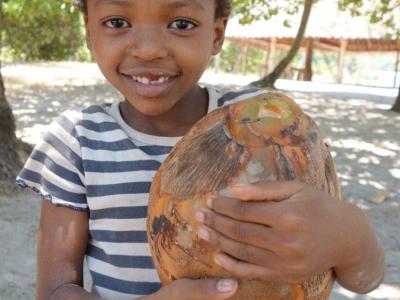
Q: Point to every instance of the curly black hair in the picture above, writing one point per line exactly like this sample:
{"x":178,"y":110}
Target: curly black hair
{"x":222,"y":9}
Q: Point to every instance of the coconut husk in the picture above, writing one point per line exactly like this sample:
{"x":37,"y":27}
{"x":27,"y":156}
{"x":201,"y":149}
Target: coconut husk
{"x":267,"y":137}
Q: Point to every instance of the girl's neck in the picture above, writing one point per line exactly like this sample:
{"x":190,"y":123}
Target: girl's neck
{"x":176,"y":122}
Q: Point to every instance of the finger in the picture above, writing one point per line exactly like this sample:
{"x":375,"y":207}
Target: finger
{"x":241,"y":251}
{"x":252,"y":212}
{"x":267,"y":190}
{"x":210,"y":288}
{"x":247,"y":270}
{"x":248,"y":233}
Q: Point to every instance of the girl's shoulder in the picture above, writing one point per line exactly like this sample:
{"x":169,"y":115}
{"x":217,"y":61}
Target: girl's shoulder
{"x":221,"y":96}
{"x":94,"y":117}
{"x":83,"y":127}
{"x":60,"y":161}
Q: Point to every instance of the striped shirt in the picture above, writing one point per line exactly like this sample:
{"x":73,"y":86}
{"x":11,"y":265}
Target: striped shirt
{"x":92,"y":160}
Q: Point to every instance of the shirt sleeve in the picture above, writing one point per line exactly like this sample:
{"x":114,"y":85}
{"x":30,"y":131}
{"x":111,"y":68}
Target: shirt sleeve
{"x":54,"y":168}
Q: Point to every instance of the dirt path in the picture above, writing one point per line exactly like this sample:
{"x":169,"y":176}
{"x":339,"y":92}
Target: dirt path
{"x":363,"y":136}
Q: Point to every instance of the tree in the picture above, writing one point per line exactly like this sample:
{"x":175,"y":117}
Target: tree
{"x":385,"y":12}
{"x":396,"y":105}
{"x":270,"y":79}
{"x":241,"y":7}
{"x":11,"y":148}
{"x":9,"y":160}
{"x":42,"y":30}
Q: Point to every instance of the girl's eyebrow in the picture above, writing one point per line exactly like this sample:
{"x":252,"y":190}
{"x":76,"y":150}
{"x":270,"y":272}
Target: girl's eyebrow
{"x":114,"y":2}
{"x":173,"y":4}
{"x":185,"y":3}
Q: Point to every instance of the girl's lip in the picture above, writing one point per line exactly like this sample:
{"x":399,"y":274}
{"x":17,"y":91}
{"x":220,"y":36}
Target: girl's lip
{"x":150,"y":90}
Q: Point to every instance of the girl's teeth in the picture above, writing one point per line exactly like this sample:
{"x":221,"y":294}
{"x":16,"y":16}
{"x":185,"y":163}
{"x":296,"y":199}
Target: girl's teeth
{"x":145,"y":80}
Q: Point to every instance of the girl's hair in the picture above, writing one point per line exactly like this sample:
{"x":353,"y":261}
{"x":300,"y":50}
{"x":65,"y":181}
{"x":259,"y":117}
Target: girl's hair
{"x":222,"y":8}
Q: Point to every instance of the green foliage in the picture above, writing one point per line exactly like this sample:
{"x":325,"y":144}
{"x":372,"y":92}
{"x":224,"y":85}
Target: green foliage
{"x":267,"y":9}
{"x":385,"y":12}
{"x":42,"y":30}
{"x":264,"y":9}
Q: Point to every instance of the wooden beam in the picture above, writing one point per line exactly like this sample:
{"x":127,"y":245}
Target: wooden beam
{"x":256,"y":43}
{"x":341,"y":60}
{"x":325,"y":43}
{"x":325,"y":47}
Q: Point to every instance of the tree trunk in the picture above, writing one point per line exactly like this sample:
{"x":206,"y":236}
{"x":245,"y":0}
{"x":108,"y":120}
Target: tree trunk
{"x":270,"y":79}
{"x":9,"y":146}
{"x":396,"y":105}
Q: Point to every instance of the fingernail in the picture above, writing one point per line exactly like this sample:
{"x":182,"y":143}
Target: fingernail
{"x":204,"y":234}
{"x":240,"y":185}
{"x":217,"y":260}
{"x":210,"y":202}
{"x":225,"y":285}
{"x":199,"y":216}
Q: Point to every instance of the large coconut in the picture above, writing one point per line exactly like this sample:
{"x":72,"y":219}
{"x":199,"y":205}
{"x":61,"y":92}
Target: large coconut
{"x":266,"y":137}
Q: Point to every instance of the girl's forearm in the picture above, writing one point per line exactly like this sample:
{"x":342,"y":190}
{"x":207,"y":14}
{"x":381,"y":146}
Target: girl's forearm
{"x":72,"y":292}
{"x":76,"y":292}
{"x":364,"y":270}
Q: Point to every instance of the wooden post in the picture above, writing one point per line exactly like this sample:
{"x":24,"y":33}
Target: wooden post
{"x":244,"y":58}
{"x":396,"y":69}
{"x":264,"y":71}
{"x":308,"y":73}
{"x":239,"y":61}
{"x":271,"y":55}
{"x":341,"y":60}
{"x":217,"y":62}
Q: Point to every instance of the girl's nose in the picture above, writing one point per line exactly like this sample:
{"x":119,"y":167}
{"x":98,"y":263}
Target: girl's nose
{"x":148,"y":43}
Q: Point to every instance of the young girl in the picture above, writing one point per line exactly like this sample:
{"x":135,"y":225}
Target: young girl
{"x":94,"y":169}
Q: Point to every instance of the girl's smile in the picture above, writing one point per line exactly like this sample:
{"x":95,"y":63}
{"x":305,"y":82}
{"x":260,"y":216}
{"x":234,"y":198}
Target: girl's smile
{"x":151,"y":82}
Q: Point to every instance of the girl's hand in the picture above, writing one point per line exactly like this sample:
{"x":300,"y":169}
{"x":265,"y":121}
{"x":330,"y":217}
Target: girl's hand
{"x":289,"y":231}
{"x":187,"y":289}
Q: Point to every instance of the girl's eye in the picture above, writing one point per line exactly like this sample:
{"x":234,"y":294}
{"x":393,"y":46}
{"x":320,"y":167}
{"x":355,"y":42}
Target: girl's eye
{"x":183,"y":24}
{"x":117,"y":23}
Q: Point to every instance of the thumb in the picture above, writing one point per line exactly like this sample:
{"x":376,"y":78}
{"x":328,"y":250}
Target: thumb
{"x":266,"y":190}
{"x":210,"y":289}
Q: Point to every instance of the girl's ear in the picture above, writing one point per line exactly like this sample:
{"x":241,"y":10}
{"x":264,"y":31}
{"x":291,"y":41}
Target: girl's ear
{"x":219,"y":34}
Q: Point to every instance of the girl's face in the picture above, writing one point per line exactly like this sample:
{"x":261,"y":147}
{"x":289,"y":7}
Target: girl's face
{"x":154,"y":51}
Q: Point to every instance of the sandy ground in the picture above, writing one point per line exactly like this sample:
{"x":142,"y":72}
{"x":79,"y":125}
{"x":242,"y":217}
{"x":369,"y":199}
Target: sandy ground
{"x":363,"y":135}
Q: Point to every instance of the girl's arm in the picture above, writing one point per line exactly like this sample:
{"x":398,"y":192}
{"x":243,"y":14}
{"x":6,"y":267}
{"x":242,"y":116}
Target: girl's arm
{"x":363,"y":265}
{"x":62,"y":240}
